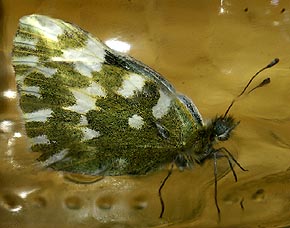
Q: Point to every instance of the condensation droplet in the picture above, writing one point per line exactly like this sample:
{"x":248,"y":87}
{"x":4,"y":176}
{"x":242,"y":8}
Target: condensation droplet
{"x":73,"y":202}
{"x":231,"y":199}
{"x":139,"y":202}
{"x":11,"y":202}
{"x":259,"y":195}
{"x":105,"y":202}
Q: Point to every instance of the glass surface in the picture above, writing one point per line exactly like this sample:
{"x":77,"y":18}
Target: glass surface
{"x":208,"y":50}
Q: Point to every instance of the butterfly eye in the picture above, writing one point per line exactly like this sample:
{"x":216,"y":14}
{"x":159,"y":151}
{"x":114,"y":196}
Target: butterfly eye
{"x":223,"y":137}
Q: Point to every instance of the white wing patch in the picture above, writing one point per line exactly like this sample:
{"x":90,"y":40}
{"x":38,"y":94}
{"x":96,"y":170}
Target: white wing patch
{"x":56,"y":157}
{"x":86,"y":98}
{"x":90,"y":134}
{"x":39,"y":116}
{"x":47,"y":72}
{"x":162,"y":106}
{"x":41,"y":139}
{"x":27,"y":60}
{"x":136,"y":121}
{"x":46,"y":28}
{"x":131,"y":84}
{"x":95,"y":49}
{"x":31,"y":90}
{"x":95,"y":90}
{"x":21,"y":41}
{"x":86,"y":59}
{"x":87,"y":68}
{"x":84,"y":102}
{"x":83,"y":120}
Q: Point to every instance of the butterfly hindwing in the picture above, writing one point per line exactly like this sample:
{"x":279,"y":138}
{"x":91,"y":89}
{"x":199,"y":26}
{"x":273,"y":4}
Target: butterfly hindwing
{"x":91,"y":110}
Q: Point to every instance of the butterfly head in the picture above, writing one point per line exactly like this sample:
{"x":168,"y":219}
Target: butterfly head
{"x":222,"y":127}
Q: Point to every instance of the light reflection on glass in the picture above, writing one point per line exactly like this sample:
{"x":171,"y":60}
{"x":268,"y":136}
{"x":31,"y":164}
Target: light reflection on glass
{"x":10,"y":150}
{"x":10,"y":94}
{"x":10,"y":144}
{"x":118,"y":45}
{"x":17,"y":135}
{"x":227,"y":71}
{"x":275,"y":2}
{"x":222,"y":8}
{"x":16,"y":209}
{"x":6,"y":126}
{"x":24,"y":194}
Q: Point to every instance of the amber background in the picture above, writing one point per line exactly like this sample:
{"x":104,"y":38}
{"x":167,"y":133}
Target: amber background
{"x":208,"y":49}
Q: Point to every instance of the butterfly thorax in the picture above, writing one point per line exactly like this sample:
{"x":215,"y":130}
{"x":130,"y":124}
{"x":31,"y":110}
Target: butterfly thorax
{"x":208,"y":135}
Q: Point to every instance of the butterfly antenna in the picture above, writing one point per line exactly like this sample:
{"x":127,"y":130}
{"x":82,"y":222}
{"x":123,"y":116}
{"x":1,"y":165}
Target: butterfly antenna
{"x":160,"y":189}
{"x":265,"y":82}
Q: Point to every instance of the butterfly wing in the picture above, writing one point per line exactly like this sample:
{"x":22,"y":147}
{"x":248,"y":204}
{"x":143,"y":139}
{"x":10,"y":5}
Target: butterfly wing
{"x":89,"y":109}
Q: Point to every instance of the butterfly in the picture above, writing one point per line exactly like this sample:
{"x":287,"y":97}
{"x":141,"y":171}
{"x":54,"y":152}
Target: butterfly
{"x":91,"y":110}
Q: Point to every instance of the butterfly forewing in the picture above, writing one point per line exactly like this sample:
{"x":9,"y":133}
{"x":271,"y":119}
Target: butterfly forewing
{"x":91,"y":110}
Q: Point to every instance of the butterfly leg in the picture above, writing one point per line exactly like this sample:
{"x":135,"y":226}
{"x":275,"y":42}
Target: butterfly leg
{"x":160,"y":189}
{"x":229,"y":155}
{"x":219,"y":153}
{"x":215,"y":185}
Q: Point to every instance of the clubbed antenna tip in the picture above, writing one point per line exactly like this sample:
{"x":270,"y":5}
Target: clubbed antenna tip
{"x":273,"y":63}
{"x":265,"y":82}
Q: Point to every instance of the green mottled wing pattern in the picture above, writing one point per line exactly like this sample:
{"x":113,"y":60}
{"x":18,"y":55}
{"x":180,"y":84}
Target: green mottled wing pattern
{"x":88,"y":109}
